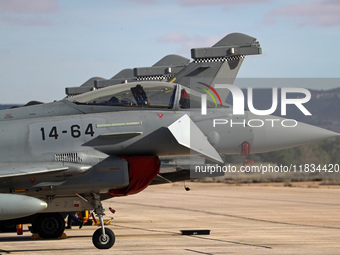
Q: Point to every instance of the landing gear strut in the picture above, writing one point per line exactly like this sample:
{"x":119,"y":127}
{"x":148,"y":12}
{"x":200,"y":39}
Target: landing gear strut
{"x":103,"y":238}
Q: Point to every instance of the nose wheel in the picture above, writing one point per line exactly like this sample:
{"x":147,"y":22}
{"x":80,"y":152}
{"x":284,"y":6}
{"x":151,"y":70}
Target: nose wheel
{"x":102,"y":238}
{"x":103,"y":241}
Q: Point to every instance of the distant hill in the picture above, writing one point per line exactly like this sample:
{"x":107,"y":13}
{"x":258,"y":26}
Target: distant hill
{"x":324,"y":106}
{"x":6,"y":106}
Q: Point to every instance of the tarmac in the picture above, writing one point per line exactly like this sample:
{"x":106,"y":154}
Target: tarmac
{"x":243,"y":219}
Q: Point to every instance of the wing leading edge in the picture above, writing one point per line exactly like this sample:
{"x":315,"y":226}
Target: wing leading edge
{"x":8,"y":170}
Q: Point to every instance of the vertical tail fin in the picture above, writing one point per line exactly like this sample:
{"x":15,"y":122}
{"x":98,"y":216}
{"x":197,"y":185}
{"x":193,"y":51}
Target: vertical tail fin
{"x":219,"y":63}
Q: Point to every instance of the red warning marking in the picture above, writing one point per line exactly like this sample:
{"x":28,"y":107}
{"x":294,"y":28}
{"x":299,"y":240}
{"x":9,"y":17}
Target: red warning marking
{"x":160,"y":115}
{"x":111,"y":210}
{"x":32,"y":180}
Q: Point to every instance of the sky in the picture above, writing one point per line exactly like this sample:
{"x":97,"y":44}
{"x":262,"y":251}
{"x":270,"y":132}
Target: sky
{"x":47,"y":45}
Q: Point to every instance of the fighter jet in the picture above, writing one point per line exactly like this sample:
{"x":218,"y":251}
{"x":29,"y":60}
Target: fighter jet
{"x":71,"y":154}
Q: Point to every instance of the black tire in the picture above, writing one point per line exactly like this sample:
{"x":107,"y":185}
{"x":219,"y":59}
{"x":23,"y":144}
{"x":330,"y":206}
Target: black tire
{"x":103,"y":243}
{"x":8,"y":228}
{"x":50,"y":225}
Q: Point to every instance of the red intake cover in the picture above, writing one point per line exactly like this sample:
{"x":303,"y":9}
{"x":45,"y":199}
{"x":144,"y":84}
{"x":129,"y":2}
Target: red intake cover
{"x":142,"y":170}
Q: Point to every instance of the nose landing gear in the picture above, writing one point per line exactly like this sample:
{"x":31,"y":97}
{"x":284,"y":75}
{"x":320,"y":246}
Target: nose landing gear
{"x":102,"y":238}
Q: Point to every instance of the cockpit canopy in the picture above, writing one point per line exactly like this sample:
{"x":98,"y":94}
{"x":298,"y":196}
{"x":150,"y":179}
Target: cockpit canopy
{"x":143,"y":94}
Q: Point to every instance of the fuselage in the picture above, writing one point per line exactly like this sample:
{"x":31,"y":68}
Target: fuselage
{"x":91,"y":132}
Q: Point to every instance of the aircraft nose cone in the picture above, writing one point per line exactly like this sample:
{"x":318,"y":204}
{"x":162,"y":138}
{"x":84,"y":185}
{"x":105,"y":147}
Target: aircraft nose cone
{"x":283,"y":133}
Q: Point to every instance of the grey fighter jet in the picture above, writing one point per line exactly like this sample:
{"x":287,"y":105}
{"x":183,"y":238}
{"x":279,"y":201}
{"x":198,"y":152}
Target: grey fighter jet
{"x":71,"y":154}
